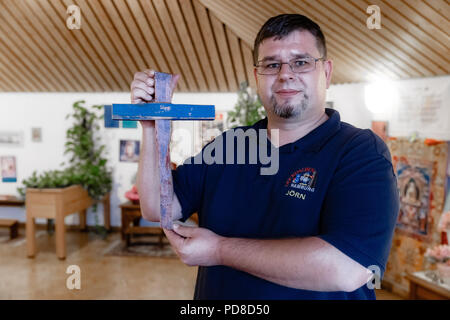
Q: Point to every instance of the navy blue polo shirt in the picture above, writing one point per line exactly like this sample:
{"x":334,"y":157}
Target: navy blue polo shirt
{"x":336,"y":183}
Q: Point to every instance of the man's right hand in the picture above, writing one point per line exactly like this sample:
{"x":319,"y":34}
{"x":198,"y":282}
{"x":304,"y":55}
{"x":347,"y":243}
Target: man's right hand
{"x":143,"y":90}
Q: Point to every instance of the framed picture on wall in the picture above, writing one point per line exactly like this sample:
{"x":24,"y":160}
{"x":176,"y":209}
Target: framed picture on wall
{"x":129,"y":150}
{"x":11,"y":138}
{"x":36,"y":134}
{"x":8,"y":167}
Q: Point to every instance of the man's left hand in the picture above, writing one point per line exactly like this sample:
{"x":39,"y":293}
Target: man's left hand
{"x":195,"y":246}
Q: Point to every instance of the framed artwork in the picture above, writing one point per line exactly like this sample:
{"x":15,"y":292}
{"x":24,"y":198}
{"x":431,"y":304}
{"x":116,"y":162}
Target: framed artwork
{"x":8,"y":166}
{"x":129,"y":150}
{"x":36,"y":134}
{"x":421,"y":174}
{"x":11,"y":138}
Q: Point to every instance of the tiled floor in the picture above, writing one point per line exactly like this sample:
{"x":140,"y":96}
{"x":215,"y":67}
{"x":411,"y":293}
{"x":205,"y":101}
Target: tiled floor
{"x":102,"y":277}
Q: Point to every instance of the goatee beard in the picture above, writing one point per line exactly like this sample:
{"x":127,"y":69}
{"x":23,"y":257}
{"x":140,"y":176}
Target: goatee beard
{"x":289,"y":110}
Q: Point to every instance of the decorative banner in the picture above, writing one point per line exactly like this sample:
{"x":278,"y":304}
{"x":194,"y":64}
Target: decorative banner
{"x":9,"y":173}
{"x":421,"y":168}
{"x":423,"y":108}
{"x":129,"y":150}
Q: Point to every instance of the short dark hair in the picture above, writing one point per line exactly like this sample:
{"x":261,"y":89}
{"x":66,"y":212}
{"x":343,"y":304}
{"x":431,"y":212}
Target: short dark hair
{"x":282,"y":25}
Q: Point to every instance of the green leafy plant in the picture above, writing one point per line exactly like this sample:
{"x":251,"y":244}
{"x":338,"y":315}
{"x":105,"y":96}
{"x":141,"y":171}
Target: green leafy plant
{"x":87,"y":163}
{"x":248,"y":108}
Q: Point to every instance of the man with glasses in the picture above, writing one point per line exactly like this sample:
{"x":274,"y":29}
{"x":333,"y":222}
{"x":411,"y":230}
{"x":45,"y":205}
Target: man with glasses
{"x":314,"y":230}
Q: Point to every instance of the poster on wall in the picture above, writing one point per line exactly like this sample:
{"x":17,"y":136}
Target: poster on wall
{"x":414,"y":178}
{"x":422,"y":108}
{"x":129,"y":150}
{"x":8,"y":165}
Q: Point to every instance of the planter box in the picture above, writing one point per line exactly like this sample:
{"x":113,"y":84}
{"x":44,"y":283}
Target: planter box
{"x":56,"y":204}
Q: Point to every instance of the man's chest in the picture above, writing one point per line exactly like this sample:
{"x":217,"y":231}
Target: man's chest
{"x":240,"y":202}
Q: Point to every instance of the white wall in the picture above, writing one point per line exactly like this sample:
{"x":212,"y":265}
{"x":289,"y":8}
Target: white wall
{"x":348,"y":100}
{"x":22,"y":111}
{"x":418,"y":98}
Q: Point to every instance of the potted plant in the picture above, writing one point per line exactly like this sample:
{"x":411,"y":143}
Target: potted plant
{"x":87,"y":164}
{"x":248,"y":108}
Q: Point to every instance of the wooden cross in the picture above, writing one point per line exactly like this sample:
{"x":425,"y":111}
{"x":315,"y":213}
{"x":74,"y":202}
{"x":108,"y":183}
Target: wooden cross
{"x":163,"y":111}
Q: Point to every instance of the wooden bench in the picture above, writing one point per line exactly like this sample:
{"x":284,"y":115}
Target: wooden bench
{"x":13,"y":226}
{"x":131,"y":214}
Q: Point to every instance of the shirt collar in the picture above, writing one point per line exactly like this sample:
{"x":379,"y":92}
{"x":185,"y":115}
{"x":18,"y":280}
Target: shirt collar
{"x":314,"y":140}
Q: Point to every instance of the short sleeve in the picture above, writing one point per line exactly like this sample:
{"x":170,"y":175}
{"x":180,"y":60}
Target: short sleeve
{"x":361,"y":206}
{"x":188,"y":183}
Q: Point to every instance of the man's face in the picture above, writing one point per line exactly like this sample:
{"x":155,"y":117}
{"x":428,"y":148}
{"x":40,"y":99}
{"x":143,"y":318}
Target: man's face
{"x":287,"y":94}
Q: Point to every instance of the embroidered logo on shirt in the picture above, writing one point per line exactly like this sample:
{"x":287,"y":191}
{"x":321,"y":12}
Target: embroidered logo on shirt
{"x":303,"y":179}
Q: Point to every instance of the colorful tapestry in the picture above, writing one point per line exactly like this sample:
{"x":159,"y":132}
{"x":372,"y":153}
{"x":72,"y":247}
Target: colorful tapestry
{"x":421,"y":168}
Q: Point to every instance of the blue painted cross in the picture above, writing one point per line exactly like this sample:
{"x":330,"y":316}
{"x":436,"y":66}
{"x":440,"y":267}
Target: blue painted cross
{"x":163,"y":111}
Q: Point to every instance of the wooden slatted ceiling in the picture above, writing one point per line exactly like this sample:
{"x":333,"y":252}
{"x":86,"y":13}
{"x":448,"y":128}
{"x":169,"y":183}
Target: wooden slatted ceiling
{"x":413,"y":41}
{"x":209,"y":42}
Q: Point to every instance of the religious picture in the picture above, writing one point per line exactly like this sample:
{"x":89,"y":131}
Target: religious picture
{"x":211,"y":129}
{"x":129,"y":150}
{"x":414,"y":190}
{"x":8,"y":164}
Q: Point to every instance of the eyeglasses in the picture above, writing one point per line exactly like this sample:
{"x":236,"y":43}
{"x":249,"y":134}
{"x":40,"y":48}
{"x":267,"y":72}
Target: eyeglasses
{"x":302,"y":65}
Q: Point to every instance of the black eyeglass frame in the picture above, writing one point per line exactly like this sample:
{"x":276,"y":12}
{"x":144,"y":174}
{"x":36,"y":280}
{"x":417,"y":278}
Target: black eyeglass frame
{"x":289,"y":64}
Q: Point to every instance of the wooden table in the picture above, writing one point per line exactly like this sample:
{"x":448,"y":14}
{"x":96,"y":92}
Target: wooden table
{"x":131,"y":215}
{"x":423,"y":288}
